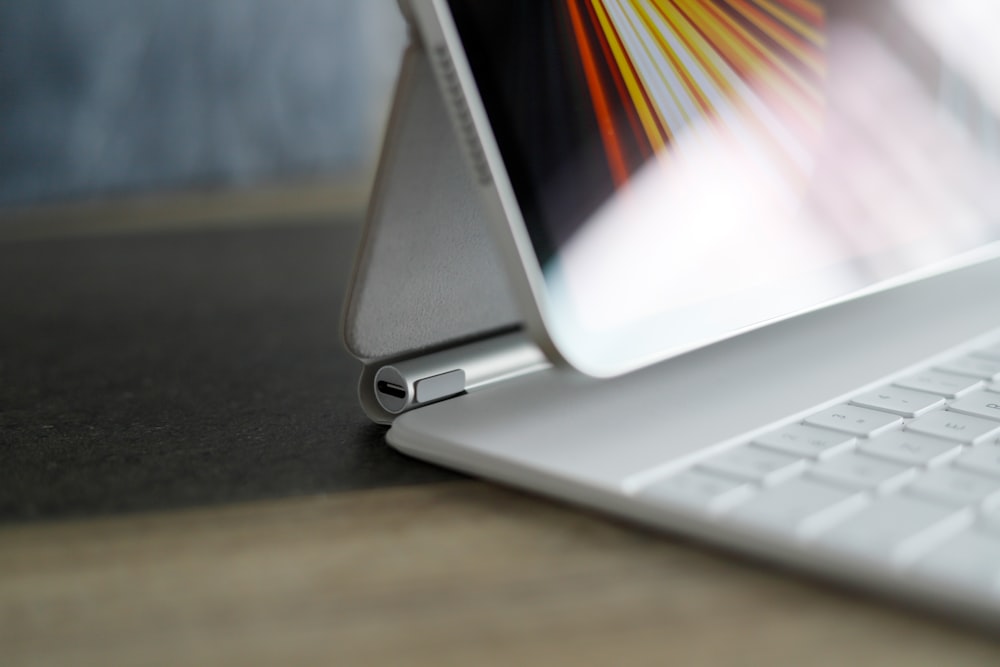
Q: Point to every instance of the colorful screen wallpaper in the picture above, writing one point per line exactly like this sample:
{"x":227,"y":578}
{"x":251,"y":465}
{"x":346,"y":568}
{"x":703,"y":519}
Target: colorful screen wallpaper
{"x":655,"y":68}
{"x":707,"y":157}
{"x":583,"y":93}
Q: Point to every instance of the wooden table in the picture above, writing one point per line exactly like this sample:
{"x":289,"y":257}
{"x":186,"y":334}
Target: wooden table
{"x":453,"y":573}
{"x":386,"y":562}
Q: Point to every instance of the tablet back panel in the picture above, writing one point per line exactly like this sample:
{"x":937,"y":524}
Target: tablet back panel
{"x":427,"y":274}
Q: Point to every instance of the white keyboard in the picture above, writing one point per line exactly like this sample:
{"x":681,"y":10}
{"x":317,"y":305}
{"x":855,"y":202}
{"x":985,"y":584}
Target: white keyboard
{"x":904,"y":478}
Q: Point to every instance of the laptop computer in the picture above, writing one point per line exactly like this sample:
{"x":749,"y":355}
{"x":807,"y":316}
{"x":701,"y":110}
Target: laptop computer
{"x":727,"y":269}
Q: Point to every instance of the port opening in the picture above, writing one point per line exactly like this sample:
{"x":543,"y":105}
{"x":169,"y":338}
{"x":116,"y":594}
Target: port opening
{"x":391,"y":389}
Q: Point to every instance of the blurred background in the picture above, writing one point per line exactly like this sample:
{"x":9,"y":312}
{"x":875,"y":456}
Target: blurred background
{"x":111,"y":98}
{"x":182,"y":186}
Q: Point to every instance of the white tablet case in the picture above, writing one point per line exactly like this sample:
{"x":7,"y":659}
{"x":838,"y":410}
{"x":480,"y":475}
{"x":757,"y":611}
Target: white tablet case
{"x":426,"y":275}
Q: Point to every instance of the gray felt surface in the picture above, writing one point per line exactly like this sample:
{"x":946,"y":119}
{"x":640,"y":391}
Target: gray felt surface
{"x":160,"y":371}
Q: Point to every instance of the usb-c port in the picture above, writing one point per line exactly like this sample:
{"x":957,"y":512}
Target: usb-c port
{"x":391,"y":389}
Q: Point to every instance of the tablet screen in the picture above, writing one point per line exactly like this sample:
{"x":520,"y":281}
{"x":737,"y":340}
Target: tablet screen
{"x":688,"y":169}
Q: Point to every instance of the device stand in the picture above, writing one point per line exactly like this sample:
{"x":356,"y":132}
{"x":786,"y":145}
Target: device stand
{"x":427,"y":274}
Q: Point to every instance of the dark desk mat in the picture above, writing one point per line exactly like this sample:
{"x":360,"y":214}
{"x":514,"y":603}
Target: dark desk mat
{"x":170,"y":370}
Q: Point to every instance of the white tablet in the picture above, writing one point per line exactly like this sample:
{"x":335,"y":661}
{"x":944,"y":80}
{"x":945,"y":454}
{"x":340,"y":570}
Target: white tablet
{"x":663,"y":174}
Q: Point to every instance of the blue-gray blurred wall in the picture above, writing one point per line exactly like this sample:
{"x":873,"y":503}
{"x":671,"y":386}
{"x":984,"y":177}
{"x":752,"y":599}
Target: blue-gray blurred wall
{"x":102,"y":97}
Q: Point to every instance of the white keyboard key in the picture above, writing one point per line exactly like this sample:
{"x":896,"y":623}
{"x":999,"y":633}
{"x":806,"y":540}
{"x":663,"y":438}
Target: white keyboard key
{"x":944,"y":384}
{"x":911,"y":448}
{"x":896,"y":528}
{"x":799,"y":508}
{"x":863,"y":472}
{"x":979,"y":404}
{"x":899,"y":401}
{"x":983,"y":458}
{"x":700,"y":490}
{"x":807,"y":441}
{"x":755,"y":464}
{"x":970,"y":559}
{"x":851,"y":419}
{"x":989,"y":352}
{"x":991,"y":520}
{"x":955,"y":426}
{"x":956,"y":487}
{"x":977,"y":367}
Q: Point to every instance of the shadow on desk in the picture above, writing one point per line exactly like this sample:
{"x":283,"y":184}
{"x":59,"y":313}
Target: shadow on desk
{"x":166,"y":369}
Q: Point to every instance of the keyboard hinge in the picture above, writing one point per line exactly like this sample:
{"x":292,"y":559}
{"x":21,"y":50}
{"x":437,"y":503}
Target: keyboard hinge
{"x":404,"y":385}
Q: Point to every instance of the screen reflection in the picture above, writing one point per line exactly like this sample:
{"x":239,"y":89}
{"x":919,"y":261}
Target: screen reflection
{"x":795,"y":175}
{"x":708,"y":165}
